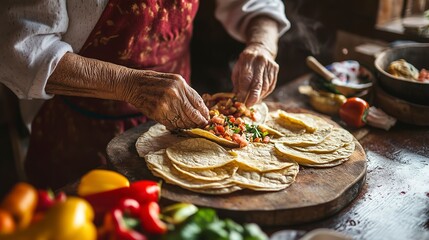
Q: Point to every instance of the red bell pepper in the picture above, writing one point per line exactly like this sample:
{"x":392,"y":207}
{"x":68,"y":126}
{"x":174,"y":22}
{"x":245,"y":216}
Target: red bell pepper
{"x":115,"y":221}
{"x":150,"y":221}
{"x":143,"y":191}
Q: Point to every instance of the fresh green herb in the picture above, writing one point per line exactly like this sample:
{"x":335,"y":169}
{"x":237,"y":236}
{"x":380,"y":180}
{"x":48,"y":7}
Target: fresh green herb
{"x":229,"y":123}
{"x":253,"y":129}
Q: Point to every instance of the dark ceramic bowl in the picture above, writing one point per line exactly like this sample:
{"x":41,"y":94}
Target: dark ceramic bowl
{"x":418,"y":55}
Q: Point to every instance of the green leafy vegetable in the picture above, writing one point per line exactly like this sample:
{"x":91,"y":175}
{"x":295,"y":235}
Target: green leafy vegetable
{"x":206,"y":225}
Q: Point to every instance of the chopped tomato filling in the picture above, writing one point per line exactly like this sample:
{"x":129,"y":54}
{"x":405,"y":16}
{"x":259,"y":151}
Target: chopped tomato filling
{"x":226,"y":121}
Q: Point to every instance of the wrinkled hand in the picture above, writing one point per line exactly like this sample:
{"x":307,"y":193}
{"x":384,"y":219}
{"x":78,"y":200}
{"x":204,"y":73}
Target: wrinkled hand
{"x":167,"y":99}
{"x":255,"y":74}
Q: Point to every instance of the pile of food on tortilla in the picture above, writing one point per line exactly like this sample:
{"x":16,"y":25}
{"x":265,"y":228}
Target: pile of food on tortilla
{"x":243,"y":148}
{"x":231,"y":122}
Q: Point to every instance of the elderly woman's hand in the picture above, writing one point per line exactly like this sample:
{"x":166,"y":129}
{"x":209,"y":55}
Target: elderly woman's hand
{"x":167,"y":99}
{"x":255,"y":74}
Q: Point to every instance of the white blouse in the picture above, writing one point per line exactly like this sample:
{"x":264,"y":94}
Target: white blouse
{"x":35,"y":34}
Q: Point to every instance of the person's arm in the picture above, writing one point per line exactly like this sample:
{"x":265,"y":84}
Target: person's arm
{"x":235,"y":15}
{"x":36,"y":63}
{"x":259,"y":24}
{"x":254,"y":75}
{"x":263,"y":31}
{"x":164,"y":97}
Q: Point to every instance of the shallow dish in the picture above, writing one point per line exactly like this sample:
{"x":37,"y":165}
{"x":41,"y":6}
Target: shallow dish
{"x":353,"y":90}
{"x":348,"y":78}
{"x":413,"y":91}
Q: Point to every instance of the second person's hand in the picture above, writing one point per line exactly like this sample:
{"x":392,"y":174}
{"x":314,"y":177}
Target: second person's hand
{"x":254,"y":76}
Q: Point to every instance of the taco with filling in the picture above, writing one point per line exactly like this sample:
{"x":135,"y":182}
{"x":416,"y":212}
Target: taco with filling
{"x":231,"y":123}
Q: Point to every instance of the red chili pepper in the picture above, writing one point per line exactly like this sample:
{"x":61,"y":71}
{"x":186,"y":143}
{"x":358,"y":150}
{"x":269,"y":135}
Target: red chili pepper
{"x":353,"y":112}
{"x":143,"y":191}
{"x":46,"y":199}
{"x":149,"y":216}
{"x":60,"y":197}
{"x":117,"y":225}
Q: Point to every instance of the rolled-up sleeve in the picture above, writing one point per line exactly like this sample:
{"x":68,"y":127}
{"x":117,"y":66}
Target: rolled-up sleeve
{"x":30,"y":44}
{"x":235,"y":15}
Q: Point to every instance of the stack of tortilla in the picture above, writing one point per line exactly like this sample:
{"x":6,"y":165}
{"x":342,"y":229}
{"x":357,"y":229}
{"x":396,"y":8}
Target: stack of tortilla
{"x":309,"y":139}
{"x":204,"y":166}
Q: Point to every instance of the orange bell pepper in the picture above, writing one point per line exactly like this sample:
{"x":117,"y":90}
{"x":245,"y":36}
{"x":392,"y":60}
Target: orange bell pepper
{"x":21,"y":202}
{"x":7,"y":224}
{"x":68,"y":220}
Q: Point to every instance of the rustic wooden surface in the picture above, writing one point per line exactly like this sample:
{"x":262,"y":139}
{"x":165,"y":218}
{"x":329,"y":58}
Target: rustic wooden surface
{"x":403,"y":110}
{"x":316,"y":193}
{"x":394,"y":201}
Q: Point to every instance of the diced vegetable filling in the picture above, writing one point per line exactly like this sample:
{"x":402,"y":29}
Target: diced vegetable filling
{"x":226,"y":121}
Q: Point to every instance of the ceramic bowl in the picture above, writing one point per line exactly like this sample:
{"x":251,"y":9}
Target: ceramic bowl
{"x":413,"y":91}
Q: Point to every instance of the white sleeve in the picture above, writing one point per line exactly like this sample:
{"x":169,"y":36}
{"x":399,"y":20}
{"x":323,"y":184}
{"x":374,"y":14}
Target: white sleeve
{"x":30,"y":44}
{"x":235,"y":15}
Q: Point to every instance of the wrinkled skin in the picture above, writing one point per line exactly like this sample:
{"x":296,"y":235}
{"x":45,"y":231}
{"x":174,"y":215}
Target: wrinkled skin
{"x":167,"y":99}
{"x":254,"y":76}
{"x":163,"y":97}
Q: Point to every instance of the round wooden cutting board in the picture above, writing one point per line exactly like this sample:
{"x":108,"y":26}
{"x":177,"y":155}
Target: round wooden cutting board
{"x":317,"y":192}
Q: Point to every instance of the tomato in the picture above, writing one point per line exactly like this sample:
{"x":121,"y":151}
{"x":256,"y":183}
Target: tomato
{"x":266,"y":139}
{"x":353,"y":112}
{"x":220,"y":129}
{"x":240,"y":140}
{"x":231,"y":119}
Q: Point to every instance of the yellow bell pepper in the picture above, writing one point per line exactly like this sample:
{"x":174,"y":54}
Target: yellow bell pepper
{"x":99,"y":180}
{"x":67,"y":220}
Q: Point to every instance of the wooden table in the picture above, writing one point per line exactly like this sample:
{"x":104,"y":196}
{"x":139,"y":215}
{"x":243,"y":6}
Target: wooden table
{"x":394,"y":201}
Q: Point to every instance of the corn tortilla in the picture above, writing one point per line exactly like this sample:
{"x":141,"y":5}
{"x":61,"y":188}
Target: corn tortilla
{"x":156,"y":138}
{"x":336,"y":139}
{"x":315,"y":158}
{"x":266,"y":181}
{"x":212,"y":174}
{"x":161,"y":166}
{"x":198,"y":153}
{"x":293,"y":134}
{"x":261,"y":157}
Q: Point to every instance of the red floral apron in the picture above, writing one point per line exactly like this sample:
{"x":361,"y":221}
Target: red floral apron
{"x":70,"y":134}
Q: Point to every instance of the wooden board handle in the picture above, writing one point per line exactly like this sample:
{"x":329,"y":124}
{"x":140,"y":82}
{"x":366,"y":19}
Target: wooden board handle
{"x":319,"y":68}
